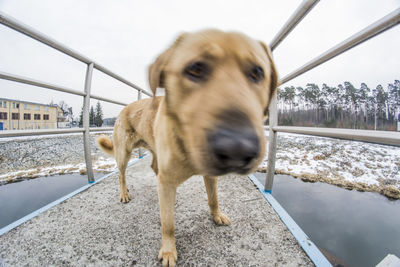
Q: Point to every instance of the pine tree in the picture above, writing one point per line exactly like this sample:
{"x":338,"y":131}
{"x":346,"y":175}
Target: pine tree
{"x":91,"y":116}
{"x":81,"y":118}
{"x":98,"y":121}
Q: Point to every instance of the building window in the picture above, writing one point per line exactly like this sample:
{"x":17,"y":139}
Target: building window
{"x":27,"y":116}
{"x":37,"y":107}
{"x":15,"y":116}
{"x":46,"y":108}
{"x":3,"y":115}
{"x":13,"y":105}
{"x":4,"y":104}
{"x":46,"y":117}
{"x":27,"y":106}
{"x":37,"y":117}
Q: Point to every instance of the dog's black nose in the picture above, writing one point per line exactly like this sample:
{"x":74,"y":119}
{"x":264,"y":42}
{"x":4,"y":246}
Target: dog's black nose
{"x":234,"y":148}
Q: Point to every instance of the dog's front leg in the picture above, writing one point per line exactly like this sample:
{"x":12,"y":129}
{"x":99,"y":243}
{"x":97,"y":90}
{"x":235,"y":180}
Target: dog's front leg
{"x":166,"y":196}
{"x":212,"y":193}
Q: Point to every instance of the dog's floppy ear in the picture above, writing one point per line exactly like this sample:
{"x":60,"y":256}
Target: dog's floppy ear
{"x":156,"y":70}
{"x":274,"y":75}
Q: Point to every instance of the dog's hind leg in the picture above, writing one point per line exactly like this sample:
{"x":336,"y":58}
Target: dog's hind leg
{"x":122,"y":151}
{"x":212,"y":193}
{"x":154,"y":164}
{"x":122,"y":158}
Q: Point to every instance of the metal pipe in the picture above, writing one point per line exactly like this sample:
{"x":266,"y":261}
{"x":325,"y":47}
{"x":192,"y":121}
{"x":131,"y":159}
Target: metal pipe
{"x":18,"y":26}
{"x":273,"y":121}
{"x":107,"y":100}
{"x":378,"y":137}
{"x":30,"y":81}
{"x":15,"y":133}
{"x":26,"y":80}
{"x":86,"y":123}
{"x":292,"y":22}
{"x":101,"y":129}
{"x":119,"y":78}
{"x":28,"y":31}
{"x":372,"y":30}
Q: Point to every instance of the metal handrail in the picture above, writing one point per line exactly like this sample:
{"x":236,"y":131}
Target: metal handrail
{"x":304,"y":8}
{"x":378,"y":27}
{"x":16,"y":133}
{"x":32,"y":33}
{"x":369,"y":136}
{"x":292,"y":22}
{"x":30,"y":81}
{"x":91,"y":65}
{"x":298,"y":15}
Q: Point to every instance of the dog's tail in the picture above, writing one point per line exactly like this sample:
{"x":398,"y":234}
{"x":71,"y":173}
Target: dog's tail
{"x":106,"y":144}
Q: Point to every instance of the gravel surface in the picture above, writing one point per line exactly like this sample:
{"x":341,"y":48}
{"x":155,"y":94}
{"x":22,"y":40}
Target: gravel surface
{"x":26,"y":153}
{"x":37,"y":156}
{"x":95,"y":229}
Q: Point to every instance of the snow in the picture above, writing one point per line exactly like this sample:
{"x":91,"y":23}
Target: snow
{"x":335,"y":161}
{"x":102,"y":164}
{"x":351,"y":164}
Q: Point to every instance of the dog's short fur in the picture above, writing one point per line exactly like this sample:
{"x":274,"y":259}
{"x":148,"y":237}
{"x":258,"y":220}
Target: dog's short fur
{"x":218,"y":86}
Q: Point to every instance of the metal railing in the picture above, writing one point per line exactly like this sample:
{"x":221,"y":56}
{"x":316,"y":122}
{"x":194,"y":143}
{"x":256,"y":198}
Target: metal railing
{"x":380,"y":137}
{"x":389,"y":138}
{"x":86,"y":94}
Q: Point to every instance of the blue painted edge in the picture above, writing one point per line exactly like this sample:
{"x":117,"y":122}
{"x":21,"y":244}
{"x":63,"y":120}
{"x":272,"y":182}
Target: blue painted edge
{"x":305,"y":242}
{"x":35,"y":213}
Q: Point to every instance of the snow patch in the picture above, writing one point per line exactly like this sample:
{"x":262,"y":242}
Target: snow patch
{"x":102,"y":164}
{"x":337,"y":161}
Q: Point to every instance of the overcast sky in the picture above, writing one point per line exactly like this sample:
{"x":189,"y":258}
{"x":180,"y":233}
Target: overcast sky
{"x":126,"y":36}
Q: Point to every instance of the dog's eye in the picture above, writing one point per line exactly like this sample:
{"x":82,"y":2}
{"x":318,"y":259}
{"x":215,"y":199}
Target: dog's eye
{"x":197,"y":71}
{"x":256,"y":74}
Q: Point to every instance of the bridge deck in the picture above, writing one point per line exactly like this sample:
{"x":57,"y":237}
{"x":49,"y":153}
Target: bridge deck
{"x":93,"y":228}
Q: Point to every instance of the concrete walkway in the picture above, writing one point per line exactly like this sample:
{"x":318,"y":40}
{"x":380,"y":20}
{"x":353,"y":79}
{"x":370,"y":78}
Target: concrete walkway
{"x":95,"y":229}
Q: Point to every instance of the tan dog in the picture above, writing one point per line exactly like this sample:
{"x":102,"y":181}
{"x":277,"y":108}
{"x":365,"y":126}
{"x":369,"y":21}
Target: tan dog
{"x":218,"y":87}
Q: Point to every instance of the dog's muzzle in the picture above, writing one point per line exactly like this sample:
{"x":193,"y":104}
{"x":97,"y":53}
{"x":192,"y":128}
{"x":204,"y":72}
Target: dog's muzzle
{"x":234,"y":149}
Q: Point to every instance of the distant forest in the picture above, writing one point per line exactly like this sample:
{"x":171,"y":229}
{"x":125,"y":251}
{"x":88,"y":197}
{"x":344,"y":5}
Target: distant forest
{"x":343,"y":106}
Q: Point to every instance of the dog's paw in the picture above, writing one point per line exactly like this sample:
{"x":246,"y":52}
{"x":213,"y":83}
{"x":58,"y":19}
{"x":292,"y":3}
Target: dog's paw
{"x":124,"y":196}
{"x":221,"y":219}
{"x":168,"y":258}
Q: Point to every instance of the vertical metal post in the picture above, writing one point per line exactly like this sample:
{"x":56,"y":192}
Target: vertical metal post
{"x":139,"y":96}
{"x":86,"y":123}
{"x":295,"y":19}
{"x":273,"y":121}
